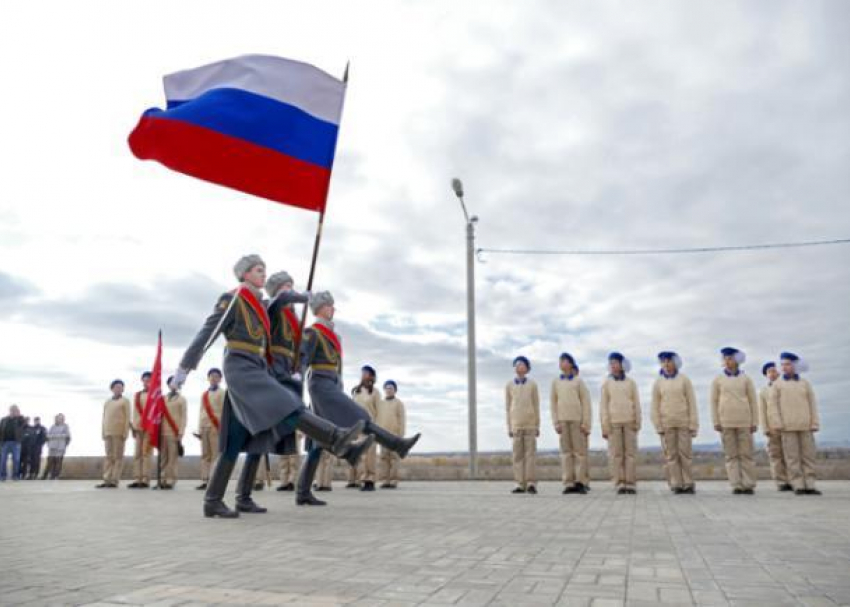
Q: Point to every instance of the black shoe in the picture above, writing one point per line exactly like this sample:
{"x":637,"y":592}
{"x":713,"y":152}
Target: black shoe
{"x":737,"y":491}
{"x":368,"y":486}
{"x":336,"y":440}
{"x":518,"y":490}
{"x":308,"y":500}
{"x":104,"y":485}
{"x":532,"y":489}
{"x":324,"y":489}
{"x":201,"y":487}
{"x":689,"y":490}
{"x":219,"y":509}
{"x":166,"y":487}
{"x":678,"y":490}
{"x":352,"y":486}
{"x":568,"y":490}
{"x":386,"y":486}
{"x":622,"y":491}
{"x":581,"y":489}
{"x":813,"y":492}
{"x":259,"y":486}
{"x":250,"y":506}
{"x":399,"y":444}
{"x":286,"y":487}
{"x":785,"y":487}
{"x":134,"y":485}
{"x":144,"y":485}
{"x":799,"y":492}
{"x":748,"y":491}
{"x":632,"y":491}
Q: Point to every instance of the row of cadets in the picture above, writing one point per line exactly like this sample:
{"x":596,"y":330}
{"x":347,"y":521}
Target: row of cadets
{"x":788,"y":415}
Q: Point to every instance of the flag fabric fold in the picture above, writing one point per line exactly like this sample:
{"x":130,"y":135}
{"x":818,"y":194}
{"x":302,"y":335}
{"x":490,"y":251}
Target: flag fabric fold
{"x":152,"y":416}
{"x":263,"y":125}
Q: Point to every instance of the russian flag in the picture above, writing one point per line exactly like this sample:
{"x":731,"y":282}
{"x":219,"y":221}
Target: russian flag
{"x":260,"y":124}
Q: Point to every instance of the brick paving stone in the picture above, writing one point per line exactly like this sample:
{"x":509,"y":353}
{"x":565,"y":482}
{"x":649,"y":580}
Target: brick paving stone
{"x":464,"y":544}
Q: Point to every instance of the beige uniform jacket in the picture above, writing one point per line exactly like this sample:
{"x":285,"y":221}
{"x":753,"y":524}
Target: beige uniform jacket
{"x":391,"y":415}
{"x":764,"y":399}
{"x":569,"y":401}
{"x":216,"y":398}
{"x":619,"y":404}
{"x":522,"y":405}
{"x":116,"y":418}
{"x":792,"y":407}
{"x":733,"y":402}
{"x":674,"y":404}
{"x":368,"y":401}
{"x":141,"y":398}
{"x":176,"y":406}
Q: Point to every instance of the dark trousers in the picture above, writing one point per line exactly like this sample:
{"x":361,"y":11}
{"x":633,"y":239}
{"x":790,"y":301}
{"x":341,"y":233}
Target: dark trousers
{"x":35,"y":462}
{"x":53,"y":468}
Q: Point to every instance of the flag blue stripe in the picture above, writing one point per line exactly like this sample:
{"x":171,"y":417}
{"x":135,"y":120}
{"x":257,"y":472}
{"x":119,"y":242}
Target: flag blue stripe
{"x":260,"y":120}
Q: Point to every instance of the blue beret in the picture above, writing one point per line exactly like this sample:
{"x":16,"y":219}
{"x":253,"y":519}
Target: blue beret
{"x":115,"y":382}
{"x":522,"y":359}
{"x":146,"y":375}
{"x":729,"y":351}
{"x":789,"y":356}
{"x":766,"y":366}
{"x":666,"y":355}
{"x":616,"y":356}
{"x":214,"y":370}
{"x":369,"y":369}
{"x":390,"y":382}
{"x":569,"y":357}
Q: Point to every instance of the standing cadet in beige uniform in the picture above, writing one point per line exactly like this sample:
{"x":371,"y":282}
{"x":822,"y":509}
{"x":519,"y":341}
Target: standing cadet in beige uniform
{"x":676,"y":419}
{"x":734,"y":412}
{"x":792,"y":409}
{"x":209,"y":424}
{"x":115,"y":428}
{"x":288,"y":467}
{"x":366,"y":395}
{"x":775,"y":456}
{"x":522,"y":405}
{"x":620,"y":414}
{"x":392,"y":417}
{"x":570,"y":407}
{"x":142,"y":440}
{"x":173,"y":426}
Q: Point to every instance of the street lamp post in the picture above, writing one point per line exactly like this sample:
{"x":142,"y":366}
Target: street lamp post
{"x":457,"y":186}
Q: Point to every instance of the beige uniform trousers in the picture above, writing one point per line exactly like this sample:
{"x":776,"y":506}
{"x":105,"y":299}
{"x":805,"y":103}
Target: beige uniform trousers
{"x":622,"y":453}
{"x":287,"y":468}
{"x":113,"y":464}
{"x":525,"y":457}
{"x":389,"y":466}
{"x":142,"y":457}
{"x":325,"y":470}
{"x":368,"y":465}
{"x":209,"y":451}
{"x":169,"y":457}
{"x":740,"y":465}
{"x":679,"y":454}
{"x":776,"y":456}
{"x":800,"y":452}
{"x":573,"y":445}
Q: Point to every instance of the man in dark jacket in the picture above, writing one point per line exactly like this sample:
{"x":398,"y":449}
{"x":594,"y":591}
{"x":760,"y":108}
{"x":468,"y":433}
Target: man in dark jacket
{"x":27,"y":442}
{"x":39,"y":433}
{"x":11,"y":433}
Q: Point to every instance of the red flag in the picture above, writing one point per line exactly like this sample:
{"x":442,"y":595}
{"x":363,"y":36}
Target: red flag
{"x":152,"y":418}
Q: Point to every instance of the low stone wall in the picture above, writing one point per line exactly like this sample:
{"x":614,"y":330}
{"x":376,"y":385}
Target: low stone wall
{"x":833,"y":464}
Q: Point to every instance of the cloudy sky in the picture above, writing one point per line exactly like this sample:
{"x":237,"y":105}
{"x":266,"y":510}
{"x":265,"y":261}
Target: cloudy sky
{"x":573,"y":125}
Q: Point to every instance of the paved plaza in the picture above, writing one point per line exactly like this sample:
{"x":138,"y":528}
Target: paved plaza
{"x":453,"y":543}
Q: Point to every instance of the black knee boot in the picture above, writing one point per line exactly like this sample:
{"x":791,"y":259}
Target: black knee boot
{"x":214,"y":497}
{"x":304,"y":495}
{"x":336,"y":440}
{"x":400,"y":445}
{"x":244,"y":503}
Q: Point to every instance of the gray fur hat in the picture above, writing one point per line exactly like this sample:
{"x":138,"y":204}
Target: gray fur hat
{"x":276,"y":281}
{"x":246,"y":263}
{"x":321,"y":299}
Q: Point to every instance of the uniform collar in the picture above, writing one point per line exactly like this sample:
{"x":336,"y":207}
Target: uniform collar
{"x":795,"y":377}
{"x":116,"y":397}
{"x":172,"y":395}
{"x":325,"y":323}
{"x":730,"y":374}
{"x":620,"y":377}
{"x":213,"y":388}
{"x":663,"y":374}
{"x":390,"y":398}
{"x":569,"y":377}
{"x":520,"y":380}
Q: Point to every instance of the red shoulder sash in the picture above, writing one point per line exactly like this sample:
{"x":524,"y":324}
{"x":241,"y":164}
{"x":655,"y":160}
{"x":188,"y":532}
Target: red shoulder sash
{"x":331,"y":337}
{"x":208,"y":408}
{"x":293,"y":323}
